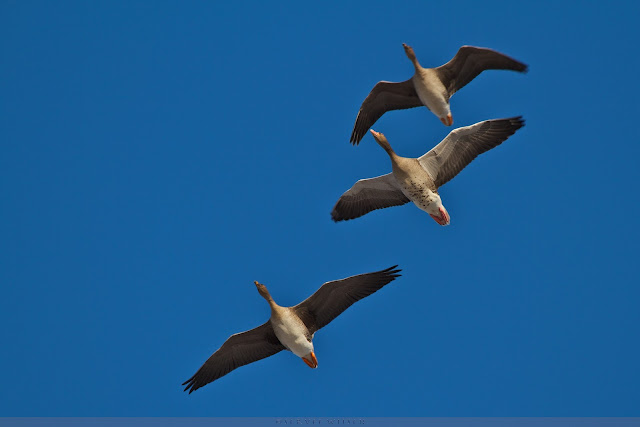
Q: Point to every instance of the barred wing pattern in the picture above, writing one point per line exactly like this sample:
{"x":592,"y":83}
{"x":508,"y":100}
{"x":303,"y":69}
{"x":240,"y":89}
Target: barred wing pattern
{"x":464,"y":144}
{"x":367,"y":195}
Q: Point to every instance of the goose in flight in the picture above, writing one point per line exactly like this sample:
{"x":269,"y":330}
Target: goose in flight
{"x":418,"y":180}
{"x":431,"y":87}
{"x":290,"y":328}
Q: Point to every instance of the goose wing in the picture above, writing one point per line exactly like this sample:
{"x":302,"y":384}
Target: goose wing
{"x":385,"y":96}
{"x":239,"y":350}
{"x":334,"y":297}
{"x":367,"y":195}
{"x":471,"y":61}
{"x":464,"y":144}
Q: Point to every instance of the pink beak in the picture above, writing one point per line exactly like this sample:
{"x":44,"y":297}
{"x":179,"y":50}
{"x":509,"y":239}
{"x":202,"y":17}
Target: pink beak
{"x":443,"y":219}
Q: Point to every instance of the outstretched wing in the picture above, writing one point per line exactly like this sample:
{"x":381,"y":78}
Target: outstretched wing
{"x":239,"y":350}
{"x":464,"y":144}
{"x":335,"y":297}
{"x":471,"y":61}
{"x":367,"y":195}
{"x":385,"y":96}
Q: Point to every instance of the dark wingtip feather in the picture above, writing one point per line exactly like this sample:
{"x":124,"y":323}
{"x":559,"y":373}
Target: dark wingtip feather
{"x":358,"y":131}
{"x":341,"y":212}
{"x":520,"y":67}
{"x":355,"y":138}
{"x":518,"y":122}
{"x":392,"y":271}
{"x":334,"y":214}
{"x":190,"y":385}
{"x":510,"y":126}
{"x":512,"y":123}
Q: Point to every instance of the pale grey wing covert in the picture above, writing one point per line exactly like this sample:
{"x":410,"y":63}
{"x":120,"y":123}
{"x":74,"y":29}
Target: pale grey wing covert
{"x":367,"y":195}
{"x":462,"y":145}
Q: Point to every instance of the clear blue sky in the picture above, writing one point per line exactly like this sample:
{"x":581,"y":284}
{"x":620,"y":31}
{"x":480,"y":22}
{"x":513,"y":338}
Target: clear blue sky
{"x":157,"y":157}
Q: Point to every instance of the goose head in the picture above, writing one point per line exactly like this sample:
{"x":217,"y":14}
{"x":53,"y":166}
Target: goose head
{"x":262,"y":290}
{"x":447,"y":120}
{"x":382,"y":141}
{"x":310,"y":360}
{"x":438,"y":212}
{"x":408,"y":50}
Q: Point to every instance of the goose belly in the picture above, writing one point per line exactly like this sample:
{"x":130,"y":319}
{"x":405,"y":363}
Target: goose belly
{"x":293,"y":335}
{"x":431,"y":92}
{"x":420,"y":194}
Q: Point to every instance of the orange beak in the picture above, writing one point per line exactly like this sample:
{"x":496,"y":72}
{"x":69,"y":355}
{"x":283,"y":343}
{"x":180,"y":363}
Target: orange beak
{"x":313,"y":363}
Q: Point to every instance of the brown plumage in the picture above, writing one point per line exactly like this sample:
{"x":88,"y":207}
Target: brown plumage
{"x":305,"y":318}
{"x":431,"y":87}
{"x":418,"y":180}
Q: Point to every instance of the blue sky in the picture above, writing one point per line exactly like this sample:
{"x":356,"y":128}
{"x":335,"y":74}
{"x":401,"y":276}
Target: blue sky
{"x":157,"y":157}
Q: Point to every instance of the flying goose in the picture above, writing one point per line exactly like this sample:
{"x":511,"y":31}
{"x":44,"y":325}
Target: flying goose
{"x":418,"y":180}
{"x":431,"y":87}
{"x":290,"y":328}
